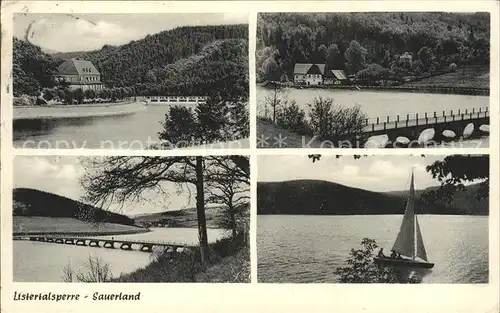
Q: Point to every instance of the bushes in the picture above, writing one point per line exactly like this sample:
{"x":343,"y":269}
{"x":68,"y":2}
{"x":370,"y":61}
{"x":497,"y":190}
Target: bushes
{"x":185,"y":266}
{"x":330,"y":122}
{"x":292,"y":117}
{"x":325,"y":120}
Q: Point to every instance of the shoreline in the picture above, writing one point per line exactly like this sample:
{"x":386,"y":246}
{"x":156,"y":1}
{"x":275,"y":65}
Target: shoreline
{"x":76,"y":111}
{"x":79,"y":234}
{"x":467,"y":91}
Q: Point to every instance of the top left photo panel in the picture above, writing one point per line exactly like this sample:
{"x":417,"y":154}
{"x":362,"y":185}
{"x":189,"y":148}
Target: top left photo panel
{"x":130,"y":81}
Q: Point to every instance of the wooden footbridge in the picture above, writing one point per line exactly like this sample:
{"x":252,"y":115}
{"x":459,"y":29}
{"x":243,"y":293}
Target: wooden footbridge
{"x":412,"y":125}
{"x":105,"y":242}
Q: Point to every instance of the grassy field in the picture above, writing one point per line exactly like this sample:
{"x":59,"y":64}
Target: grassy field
{"x":229,"y":262}
{"x":465,"y":76}
{"x":41,"y":224}
{"x":271,"y":132}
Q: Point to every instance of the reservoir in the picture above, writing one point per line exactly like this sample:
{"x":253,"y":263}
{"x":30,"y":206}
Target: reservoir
{"x":44,"y":262}
{"x":138,"y":130}
{"x":308,"y":248}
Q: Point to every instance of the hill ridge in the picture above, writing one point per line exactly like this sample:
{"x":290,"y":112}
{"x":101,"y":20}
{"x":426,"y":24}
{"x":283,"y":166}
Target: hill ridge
{"x":320,"y":197}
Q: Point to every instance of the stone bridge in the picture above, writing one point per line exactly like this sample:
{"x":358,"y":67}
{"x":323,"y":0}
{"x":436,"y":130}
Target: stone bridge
{"x":105,"y":242}
{"x":447,"y":125}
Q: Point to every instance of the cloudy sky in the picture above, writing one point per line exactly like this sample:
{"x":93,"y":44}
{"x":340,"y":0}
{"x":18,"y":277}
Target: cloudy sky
{"x":375,"y":173}
{"x":60,"y":175}
{"x":81,"y":32}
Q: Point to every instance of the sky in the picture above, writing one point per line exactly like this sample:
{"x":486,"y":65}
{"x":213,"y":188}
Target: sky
{"x":81,"y":32}
{"x":374,"y":173}
{"x":60,"y":175}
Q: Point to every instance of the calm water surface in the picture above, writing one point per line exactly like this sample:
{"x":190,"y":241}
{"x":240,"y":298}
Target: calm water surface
{"x":307,"y":249}
{"x":44,"y":262}
{"x":381,"y":104}
{"x":132,"y":131}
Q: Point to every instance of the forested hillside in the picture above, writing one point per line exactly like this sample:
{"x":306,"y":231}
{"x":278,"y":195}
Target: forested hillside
{"x":354,"y":41}
{"x":317,"y":197}
{"x":32,"y":68}
{"x":31,"y":202}
{"x":183,"y":60}
{"x":137,"y":61}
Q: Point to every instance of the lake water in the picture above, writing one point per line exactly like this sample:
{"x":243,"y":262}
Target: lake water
{"x":382,"y":103}
{"x":132,"y":131}
{"x":307,"y":249}
{"x":44,"y":262}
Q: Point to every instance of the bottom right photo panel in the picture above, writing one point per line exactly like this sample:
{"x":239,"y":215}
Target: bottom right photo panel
{"x":373,"y":218}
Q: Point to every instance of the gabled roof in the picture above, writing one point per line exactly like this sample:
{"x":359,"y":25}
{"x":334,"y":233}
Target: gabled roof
{"x":303,"y":68}
{"x":77,"y":66}
{"x":339,"y":74}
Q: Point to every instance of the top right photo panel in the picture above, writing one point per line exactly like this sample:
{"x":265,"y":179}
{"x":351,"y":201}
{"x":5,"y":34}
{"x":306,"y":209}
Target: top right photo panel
{"x":373,"y":80}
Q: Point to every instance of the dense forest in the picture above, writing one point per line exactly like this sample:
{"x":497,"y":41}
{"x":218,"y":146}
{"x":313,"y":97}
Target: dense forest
{"x":31,"y":202}
{"x":317,"y":197}
{"x":370,"y":41}
{"x":32,"y":68}
{"x":185,"y":61}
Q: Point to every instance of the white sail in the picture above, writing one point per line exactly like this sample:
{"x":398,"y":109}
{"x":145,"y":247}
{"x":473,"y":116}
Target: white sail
{"x":421,"y":253}
{"x":405,"y":242}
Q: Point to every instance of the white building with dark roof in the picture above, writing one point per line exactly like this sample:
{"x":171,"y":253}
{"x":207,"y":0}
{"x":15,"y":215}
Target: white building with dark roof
{"x":335,"y":77}
{"x":308,"y":74}
{"x":79,"y":73}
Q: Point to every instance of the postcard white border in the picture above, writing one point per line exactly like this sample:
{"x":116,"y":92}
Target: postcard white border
{"x":253,"y":297}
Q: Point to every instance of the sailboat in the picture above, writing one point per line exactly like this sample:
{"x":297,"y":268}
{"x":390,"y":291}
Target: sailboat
{"x":409,"y":242}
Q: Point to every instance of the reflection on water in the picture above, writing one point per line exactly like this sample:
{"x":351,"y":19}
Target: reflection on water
{"x":381,"y":104}
{"x":44,"y":262}
{"x":307,"y":249}
{"x":131,"y":131}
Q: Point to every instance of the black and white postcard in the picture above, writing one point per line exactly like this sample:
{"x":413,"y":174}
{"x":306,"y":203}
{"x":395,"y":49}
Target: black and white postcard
{"x":373,"y":219}
{"x":373,"y":79}
{"x":131,"y":219}
{"x":130,"y":81}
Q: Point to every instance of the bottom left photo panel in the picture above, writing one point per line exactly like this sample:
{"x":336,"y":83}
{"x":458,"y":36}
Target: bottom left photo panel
{"x":135,"y":219}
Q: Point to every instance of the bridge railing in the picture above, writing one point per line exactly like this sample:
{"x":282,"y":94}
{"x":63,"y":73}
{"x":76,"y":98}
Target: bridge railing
{"x":117,"y":240}
{"x":426,"y":120}
{"x":445,"y":114}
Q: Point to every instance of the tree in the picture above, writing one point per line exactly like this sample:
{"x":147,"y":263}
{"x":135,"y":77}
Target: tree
{"x":20,"y":208}
{"x":334,"y":122}
{"x":333,"y":57}
{"x":89,"y":94}
{"x":454,"y":171}
{"x":61,"y":94}
{"x":179,"y":126}
{"x":386,"y":62}
{"x":355,"y":56}
{"x":78,"y":95}
{"x":68,"y":96}
{"x":48,"y":94}
{"x":361,"y":268}
{"x":120,"y":179}
{"x":372,"y":73}
{"x":274,"y":101}
{"x":322,"y":52}
{"x":271,"y":70}
{"x":425,"y":56}
{"x":228,"y":184}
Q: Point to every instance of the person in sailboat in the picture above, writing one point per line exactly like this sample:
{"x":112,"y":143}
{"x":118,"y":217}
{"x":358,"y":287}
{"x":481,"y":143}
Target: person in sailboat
{"x":393,"y":254}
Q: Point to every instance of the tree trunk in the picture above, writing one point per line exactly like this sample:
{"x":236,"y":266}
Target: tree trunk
{"x":200,"y":211}
{"x":232,"y":220}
